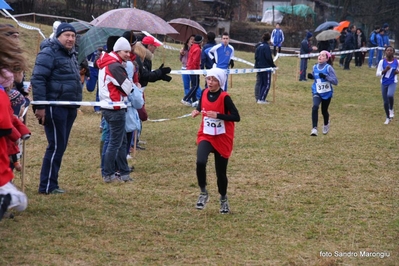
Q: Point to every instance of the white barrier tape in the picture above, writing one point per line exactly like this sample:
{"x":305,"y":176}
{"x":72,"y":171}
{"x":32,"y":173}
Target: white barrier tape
{"x":101,"y":104}
{"x":25,"y":26}
{"x":168,"y":119}
{"x":170,"y":48}
{"x":242,"y":61}
{"x":363,"y":49}
{"x":228,"y":71}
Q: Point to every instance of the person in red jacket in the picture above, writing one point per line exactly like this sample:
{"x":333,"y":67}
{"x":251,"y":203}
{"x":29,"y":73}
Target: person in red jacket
{"x":10,"y":196}
{"x":12,"y":60}
{"x":216,"y":134}
{"x":194,"y":63}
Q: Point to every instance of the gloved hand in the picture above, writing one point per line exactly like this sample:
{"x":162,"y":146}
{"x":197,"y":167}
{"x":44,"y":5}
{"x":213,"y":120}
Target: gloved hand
{"x":165,"y":70}
{"x":231,"y":63}
{"x":321,"y":75}
{"x":310,"y":76}
{"x":166,"y":78}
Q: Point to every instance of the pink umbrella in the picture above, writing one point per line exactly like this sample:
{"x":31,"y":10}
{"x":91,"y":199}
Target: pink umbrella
{"x":186,"y":28}
{"x":135,"y":20}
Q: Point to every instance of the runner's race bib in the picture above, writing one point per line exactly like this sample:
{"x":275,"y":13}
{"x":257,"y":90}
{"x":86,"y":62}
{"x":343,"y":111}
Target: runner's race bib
{"x":323,"y":87}
{"x":213,"y":126}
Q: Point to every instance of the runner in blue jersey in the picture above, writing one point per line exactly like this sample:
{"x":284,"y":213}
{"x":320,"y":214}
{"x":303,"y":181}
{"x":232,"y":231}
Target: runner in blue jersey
{"x":322,"y":90}
{"x":388,"y":69}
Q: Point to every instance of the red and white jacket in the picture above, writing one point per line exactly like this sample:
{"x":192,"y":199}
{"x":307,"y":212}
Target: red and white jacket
{"x":113,"y":82}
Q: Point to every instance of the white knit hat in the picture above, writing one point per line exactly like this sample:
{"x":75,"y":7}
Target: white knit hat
{"x":122,"y":45}
{"x":218,"y":73}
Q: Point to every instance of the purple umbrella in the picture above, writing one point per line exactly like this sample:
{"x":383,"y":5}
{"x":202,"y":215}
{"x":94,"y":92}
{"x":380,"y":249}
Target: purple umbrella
{"x":186,"y":28}
{"x":133,"y":19}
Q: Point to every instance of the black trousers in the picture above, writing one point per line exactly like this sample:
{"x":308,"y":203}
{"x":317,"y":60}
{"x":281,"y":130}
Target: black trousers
{"x":203,"y":151}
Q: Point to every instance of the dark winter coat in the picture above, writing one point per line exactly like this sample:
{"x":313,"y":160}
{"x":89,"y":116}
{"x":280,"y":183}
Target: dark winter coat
{"x":56,"y":75}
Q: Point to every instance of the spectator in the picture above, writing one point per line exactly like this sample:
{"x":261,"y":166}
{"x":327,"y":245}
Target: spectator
{"x":277,"y":38}
{"x":193,"y":63}
{"x":306,"y":48}
{"x":52,"y":81}
{"x":115,"y":86}
{"x":263,"y":59}
{"x":206,"y":62}
{"x":183,"y":57}
{"x":360,"y":41}
{"x":372,"y":42}
{"x":350,"y":44}
{"x":386,"y":34}
{"x":381,"y":44}
{"x":222,"y":55}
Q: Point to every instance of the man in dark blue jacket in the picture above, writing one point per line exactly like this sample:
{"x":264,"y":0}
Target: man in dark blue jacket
{"x":56,"y":77}
{"x":206,"y":62}
{"x":306,"y":48}
{"x":263,"y":59}
{"x":350,"y":44}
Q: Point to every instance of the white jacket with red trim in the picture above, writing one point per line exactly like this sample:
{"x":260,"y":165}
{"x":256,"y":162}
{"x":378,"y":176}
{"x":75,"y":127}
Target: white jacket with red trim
{"x":113,"y":82}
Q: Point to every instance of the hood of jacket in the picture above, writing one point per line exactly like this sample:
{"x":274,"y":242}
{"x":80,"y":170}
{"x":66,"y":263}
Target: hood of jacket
{"x":107,"y":59}
{"x":142,"y":52}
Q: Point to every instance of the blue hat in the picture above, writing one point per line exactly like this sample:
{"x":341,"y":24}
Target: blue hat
{"x":63,"y":27}
{"x":386,"y":25}
{"x":309,"y":35}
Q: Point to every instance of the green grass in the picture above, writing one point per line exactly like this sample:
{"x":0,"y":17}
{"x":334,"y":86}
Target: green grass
{"x":292,"y":195}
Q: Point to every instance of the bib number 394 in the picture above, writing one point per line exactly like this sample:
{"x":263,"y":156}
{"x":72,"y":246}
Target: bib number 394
{"x":213,"y":126}
{"x":323,"y":87}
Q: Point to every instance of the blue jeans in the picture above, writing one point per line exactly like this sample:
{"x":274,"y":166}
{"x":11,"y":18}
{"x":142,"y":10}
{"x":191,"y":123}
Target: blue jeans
{"x":186,"y":83}
{"x":58,"y":125}
{"x":379,"y":56}
{"x":115,"y":154}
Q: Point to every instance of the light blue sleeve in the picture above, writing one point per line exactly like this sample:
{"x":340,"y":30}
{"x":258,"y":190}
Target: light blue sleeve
{"x":130,"y":70}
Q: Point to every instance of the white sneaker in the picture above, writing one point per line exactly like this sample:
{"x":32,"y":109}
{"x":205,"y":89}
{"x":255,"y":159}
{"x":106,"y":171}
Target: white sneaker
{"x":128,"y":157}
{"x":262,"y":102}
{"x":387,"y":121}
{"x":313,"y":132}
{"x":194,"y":104}
{"x":391,"y":113}
{"x":185,"y":103}
{"x":19,"y":201}
{"x":326,"y":128}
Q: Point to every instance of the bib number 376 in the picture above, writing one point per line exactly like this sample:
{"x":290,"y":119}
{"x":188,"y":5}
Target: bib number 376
{"x":214,"y":126}
{"x":323,"y":87}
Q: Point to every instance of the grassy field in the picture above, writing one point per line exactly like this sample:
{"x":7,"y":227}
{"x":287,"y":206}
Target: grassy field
{"x":295,"y":199}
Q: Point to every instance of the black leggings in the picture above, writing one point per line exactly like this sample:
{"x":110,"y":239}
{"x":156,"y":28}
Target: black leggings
{"x":203,"y":151}
{"x":324,"y":110}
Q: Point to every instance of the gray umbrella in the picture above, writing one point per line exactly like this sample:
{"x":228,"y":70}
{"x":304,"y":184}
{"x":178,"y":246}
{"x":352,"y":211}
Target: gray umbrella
{"x":327,"y":35}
